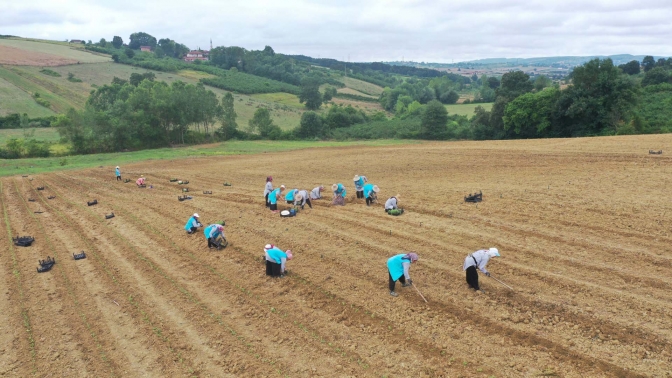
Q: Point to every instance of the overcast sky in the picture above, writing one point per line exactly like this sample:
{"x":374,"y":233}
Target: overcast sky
{"x":363,"y":30}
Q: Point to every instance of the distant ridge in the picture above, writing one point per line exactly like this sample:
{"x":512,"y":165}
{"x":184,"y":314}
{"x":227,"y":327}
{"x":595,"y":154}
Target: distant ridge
{"x":541,"y":61}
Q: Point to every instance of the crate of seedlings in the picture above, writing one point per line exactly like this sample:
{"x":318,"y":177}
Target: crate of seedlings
{"x":183,"y":198}
{"x":207,"y":192}
{"x":173,"y":180}
{"x":40,"y":188}
{"x":476,"y":197}
{"x":23,"y":241}
{"x":109,"y":216}
{"x":46,"y":265}
{"x":91,"y":203}
{"x":79,"y":256}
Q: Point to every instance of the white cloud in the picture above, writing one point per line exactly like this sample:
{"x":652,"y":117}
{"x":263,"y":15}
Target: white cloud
{"x":421,"y":30}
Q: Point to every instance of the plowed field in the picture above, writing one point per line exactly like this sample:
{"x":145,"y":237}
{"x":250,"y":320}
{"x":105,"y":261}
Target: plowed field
{"x":583,"y":227}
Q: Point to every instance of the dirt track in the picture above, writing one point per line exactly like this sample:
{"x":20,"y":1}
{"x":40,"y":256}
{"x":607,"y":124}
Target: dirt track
{"x":583,"y":226}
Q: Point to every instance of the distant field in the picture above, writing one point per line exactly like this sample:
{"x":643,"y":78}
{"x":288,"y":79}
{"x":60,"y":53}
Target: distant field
{"x":15,"y":100}
{"x":58,"y":103}
{"x":47,"y":134}
{"x":280,"y":98}
{"x":466,"y":109}
{"x":22,"y":52}
{"x":351,"y":91}
{"x":362,"y":86}
{"x":196,"y":75}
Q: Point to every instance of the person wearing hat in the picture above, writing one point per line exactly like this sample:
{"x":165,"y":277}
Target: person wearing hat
{"x":276,"y":260}
{"x":273,"y":198}
{"x":212,"y":232}
{"x":140,"y":181}
{"x":398,"y":267}
{"x":192,"y":224}
{"x":301,"y":199}
{"x":118,"y":173}
{"x":339,"y":194}
{"x":316,"y":193}
{"x":370,"y":192}
{"x":268,"y":189}
{"x":289,"y":197}
{"x":359,"y":185}
{"x":478,"y":259}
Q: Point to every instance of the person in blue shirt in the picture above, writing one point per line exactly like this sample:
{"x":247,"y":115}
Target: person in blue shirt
{"x":370,"y":192}
{"x":339,"y":194}
{"x":290,"y":195}
{"x":359,"y":185}
{"x":118,"y":173}
{"x":212,"y":232}
{"x":192,"y":224}
{"x":273,"y":198}
{"x":398,"y":267}
{"x":276,"y":260}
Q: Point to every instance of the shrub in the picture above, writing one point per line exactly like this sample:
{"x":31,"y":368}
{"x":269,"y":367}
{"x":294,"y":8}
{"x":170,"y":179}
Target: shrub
{"x":49,"y":72}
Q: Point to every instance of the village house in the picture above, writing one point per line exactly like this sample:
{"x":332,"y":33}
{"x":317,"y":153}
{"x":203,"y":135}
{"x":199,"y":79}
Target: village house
{"x":197,"y":55}
{"x":76,"y":41}
{"x":146,"y":48}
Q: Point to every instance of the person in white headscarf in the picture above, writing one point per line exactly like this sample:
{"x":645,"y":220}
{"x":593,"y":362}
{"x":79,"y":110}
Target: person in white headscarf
{"x":316,"y":193}
{"x":276,"y":260}
{"x":478,"y":259}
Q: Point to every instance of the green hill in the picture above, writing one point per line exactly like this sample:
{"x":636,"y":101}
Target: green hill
{"x":20,"y":82}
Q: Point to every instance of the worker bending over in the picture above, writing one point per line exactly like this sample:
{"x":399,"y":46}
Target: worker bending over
{"x":478,"y":259}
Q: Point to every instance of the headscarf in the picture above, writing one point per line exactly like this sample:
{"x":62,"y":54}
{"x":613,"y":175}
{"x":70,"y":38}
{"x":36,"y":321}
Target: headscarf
{"x":321,"y":188}
{"x":269,"y":178}
{"x":268,"y":246}
{"x":411,"y":256}
{"x":289,"y":254}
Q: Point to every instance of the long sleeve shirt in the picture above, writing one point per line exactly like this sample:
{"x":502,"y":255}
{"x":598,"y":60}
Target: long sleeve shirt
{"x":391,"y":204}
{"x":304,"y":195}
{"x":116,"y":171}
{"x":192,"y":222}
{"x":398,"y":266}
{"x":478,"y":259}
{"x":340,"y":191}
{"x":268,"y":188}
{"x":315,"y":193}
{"x":273,"y":196}
{"x":359,"y":184}
{"x":290,"y":194}
{"x":276,"y":255}
{"x":368,"y":190}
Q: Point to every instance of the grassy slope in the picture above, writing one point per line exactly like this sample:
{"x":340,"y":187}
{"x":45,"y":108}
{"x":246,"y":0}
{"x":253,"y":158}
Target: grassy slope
{"x":285,"y":109}
{"x":362,"y":86}
{"x":39,"y":165}
{"x":15,"y":100}
{"x":466,"y":109}
{"x":74,"y":51}
{"x":47,"y":134}
{"x":58,"y":103}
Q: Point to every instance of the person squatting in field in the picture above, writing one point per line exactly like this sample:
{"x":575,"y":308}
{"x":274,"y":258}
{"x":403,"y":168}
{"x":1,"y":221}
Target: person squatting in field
{"x":212,"y":232}
{"x":370,"y":192}
{"x":478,"y":259}
{"x":359,"y":185}
{"x":317,"y":192}
{"x":398,"y":267}
{"x":276,"y":260}
{"x":140,"y":181}
{"x":339,"y":194}
{"x":392,"y":206}
{"x":273,"y":198}
{"x":117,"y":172}
{"x":192,"y":224}
{"x":301,"y":199}
{"x":289,"y":197}
{"x":268,"y":189}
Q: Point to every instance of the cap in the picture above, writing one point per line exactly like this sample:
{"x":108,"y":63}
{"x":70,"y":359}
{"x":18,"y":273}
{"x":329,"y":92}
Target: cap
{"x":268,"y":246}
{"x":196,"y":215}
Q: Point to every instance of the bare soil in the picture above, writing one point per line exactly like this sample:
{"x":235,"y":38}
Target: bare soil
{"x":583,"y":227}
{"x":19,"y":57}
